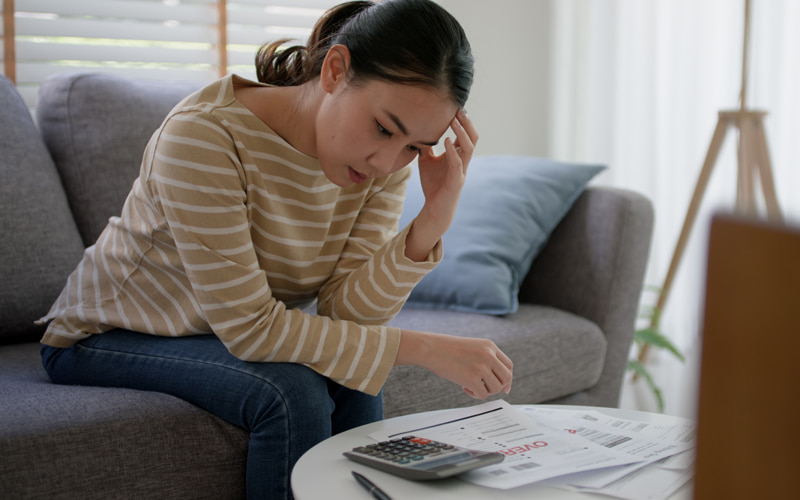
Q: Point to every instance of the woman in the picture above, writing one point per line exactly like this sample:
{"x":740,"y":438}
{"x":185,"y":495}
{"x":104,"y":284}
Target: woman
{"x":253,"y":200}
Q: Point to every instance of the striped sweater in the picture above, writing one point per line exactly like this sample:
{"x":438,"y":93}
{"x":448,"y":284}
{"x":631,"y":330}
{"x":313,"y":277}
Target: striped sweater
{"x":230,"y":230}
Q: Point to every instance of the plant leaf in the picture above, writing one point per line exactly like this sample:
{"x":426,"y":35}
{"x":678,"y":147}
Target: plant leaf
{"x":657,"y":339}
{"x":637,"y":367}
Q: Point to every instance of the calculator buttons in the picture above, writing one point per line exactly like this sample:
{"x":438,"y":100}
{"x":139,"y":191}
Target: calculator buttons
{"x":405,"y":450}
{"x":420,"y":458}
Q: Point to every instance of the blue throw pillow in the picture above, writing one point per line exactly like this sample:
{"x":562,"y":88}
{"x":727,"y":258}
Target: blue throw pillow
{"x":508,"y":207}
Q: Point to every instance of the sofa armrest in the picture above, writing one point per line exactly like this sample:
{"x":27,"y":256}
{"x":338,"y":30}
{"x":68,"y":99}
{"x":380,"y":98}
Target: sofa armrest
{"x":593,"y":265}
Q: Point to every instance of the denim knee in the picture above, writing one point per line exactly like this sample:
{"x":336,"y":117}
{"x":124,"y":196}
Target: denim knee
{"x":292,"y":392}
{"x":287,"y":411}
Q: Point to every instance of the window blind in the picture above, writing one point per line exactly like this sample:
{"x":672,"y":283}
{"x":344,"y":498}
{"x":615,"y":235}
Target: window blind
{"x":196,"y":40}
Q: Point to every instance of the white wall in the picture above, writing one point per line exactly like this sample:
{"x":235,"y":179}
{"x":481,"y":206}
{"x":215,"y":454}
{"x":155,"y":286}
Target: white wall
{"x":510,"y":99}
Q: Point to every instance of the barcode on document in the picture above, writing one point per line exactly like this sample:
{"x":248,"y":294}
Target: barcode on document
{"x":525,"y":466}
{"x":518,"y":467}
{"x":604,"y":439}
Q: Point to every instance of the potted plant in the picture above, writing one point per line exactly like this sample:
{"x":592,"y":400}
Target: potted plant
{"x":651,"y":337}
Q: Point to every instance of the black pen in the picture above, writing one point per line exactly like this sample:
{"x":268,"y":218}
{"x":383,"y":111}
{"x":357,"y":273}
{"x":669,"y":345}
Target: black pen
{"x":370,"y":486}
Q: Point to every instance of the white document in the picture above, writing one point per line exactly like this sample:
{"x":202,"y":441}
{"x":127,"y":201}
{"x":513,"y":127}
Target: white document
{"x":665,"y":448}
{"x":650,"y":442}
{"x":533,"y":452}
{"x":645,"y":483}
{"x":680,"y":461}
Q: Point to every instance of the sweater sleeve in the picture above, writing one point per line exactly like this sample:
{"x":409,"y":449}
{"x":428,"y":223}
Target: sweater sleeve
{"x":199,"y":184}
{"x":374,"y":277}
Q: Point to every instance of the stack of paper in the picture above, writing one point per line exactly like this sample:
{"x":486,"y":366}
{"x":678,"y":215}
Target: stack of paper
{"x":582,"y":450}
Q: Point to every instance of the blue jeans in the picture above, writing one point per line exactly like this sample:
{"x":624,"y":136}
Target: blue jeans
{"x":287,"y":408}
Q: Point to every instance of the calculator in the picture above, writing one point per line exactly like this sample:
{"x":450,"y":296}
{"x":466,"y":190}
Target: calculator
{"x":421,"y":459}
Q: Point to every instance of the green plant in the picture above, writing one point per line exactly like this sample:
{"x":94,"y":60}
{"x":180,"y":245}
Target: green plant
{"x":652,"y":336}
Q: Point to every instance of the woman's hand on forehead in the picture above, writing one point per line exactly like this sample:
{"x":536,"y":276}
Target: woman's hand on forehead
{"x":442,"y":177}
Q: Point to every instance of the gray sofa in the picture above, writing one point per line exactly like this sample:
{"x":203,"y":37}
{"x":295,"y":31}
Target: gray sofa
{"x":62,"y":179}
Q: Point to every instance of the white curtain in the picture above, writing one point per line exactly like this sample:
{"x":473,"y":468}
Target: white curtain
{"x":638,"y":85}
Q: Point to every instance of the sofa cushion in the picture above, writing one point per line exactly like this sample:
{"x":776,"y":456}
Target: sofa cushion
{"x":509,"y":206}
{"x":555,"y":354}
{"x":40,"y":244}
{"x":95,"y":442}
{"x":96,"y":127}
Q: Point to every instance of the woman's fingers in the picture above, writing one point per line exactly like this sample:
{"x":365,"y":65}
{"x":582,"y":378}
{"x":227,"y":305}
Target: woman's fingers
{"x":459,"y":152}
{"x":466,"y":135}
{"x":492,"y":382}
{"x":487,"y":386}
{"x":468,"y":127}
{"x":507,"y":370}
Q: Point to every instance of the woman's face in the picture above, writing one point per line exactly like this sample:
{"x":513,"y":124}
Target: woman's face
{"x":374,"y":128}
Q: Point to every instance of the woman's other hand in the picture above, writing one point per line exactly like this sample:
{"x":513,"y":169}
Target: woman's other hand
{"x":477,"y":365}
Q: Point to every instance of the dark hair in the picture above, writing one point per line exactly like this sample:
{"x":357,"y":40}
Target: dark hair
{"x":403,"y":41}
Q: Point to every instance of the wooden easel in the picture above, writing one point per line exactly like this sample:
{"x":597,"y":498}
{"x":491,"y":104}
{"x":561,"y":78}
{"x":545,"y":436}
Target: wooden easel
{"x":754,"y":165}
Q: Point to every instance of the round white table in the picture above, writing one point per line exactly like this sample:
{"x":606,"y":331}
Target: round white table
{"x":323,"y":473}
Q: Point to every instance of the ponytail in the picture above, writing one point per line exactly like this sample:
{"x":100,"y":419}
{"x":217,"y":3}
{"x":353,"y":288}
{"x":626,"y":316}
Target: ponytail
{"x":299,"y":64}
{"x":413,"y":42}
